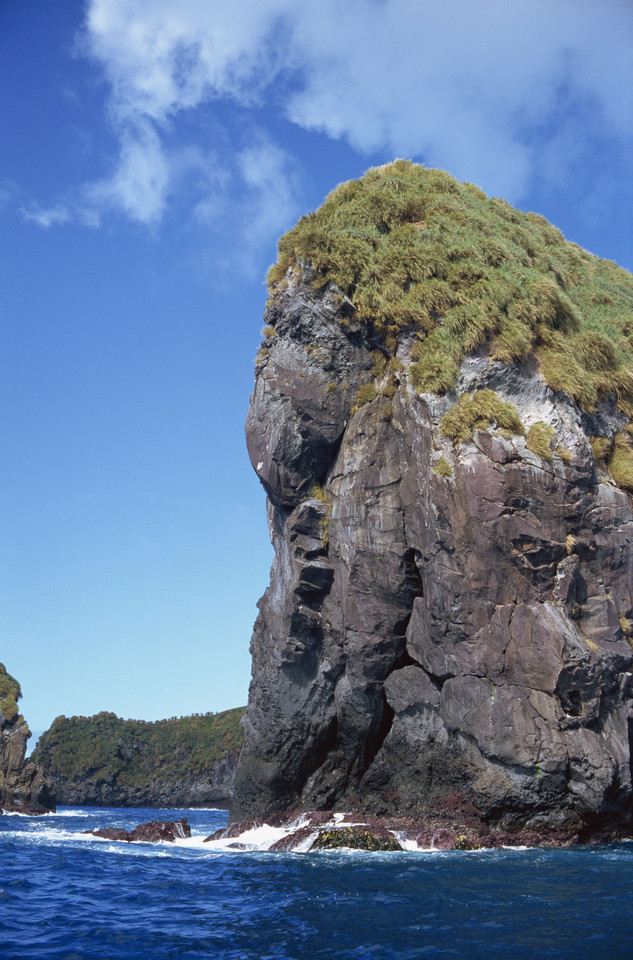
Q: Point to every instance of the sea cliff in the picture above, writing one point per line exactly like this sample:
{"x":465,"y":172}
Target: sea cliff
{"x":441,"y":420}
{"x":24,"y":788}
{"x":106,"y":761}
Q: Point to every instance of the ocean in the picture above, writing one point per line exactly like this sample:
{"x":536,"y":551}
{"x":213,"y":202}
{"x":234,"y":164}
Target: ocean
{"x":68,"y":896}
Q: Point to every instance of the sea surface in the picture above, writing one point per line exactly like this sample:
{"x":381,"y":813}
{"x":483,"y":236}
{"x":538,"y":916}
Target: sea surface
{"x":68,"y":896}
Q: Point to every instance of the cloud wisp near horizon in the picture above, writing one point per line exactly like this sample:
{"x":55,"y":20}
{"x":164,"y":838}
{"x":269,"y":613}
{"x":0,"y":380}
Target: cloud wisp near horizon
{"x":505,"y":96}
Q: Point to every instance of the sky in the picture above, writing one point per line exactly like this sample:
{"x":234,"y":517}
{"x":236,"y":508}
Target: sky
{"x":152,"y":153}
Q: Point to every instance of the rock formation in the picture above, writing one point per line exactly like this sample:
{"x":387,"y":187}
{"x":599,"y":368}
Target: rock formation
{"x":23,"y":786}
{"x":448,"y":619}
{"x":156,"y":831}
{"x":109,"y":762}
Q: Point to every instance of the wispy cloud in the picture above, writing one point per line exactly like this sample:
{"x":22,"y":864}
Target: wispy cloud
{"x":46,"y":217}
{"x":499,"y":93}
{"x":140,"y":183}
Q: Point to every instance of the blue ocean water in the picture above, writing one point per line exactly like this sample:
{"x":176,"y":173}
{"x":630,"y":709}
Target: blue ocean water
{"x":67,"y":896}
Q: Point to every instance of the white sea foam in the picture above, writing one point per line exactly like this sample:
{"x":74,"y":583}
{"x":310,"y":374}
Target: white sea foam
{"x":27,"y":816}
{"x":72,"y":812}
{"x":258,"y":838}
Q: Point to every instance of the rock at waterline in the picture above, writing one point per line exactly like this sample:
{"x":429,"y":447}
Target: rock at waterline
{"x":442,"y":422}
{"x":24,"y":787}
{"x":156,"y":831}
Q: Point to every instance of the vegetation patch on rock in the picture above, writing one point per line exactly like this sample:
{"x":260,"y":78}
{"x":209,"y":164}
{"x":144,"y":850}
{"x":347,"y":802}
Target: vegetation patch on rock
{"x":540,"y":438}
{"x":478,"y":411}
{"x":354,"y":838}
{"x":417,"y":252}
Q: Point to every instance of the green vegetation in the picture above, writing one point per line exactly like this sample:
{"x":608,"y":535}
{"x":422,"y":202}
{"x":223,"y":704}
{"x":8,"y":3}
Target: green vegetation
{"x":476,"y":411}
{"x":540,"y":438}
{"x":443,"y":468}
{"x":320,"y":493}
{"x":137,"y":751}
{"x":621,"y":461}
{"x":355,"y":839}
{"x":616,"y":454}
{"x":627,"y":627}
{"x":10,"y":693}
{"x":417,"y":251}
{"x":602,"y":448}
{"x":9,"y":708}
{"x":9,"y":686}
{"x":463,"y":843}
{"x":365,"y":394}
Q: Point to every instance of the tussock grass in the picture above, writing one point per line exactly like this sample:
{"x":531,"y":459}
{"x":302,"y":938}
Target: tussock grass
{"x":477,"y":411}
{"x":9,"y":708}
{"x":443,"y":468}
{"x":414,"y":249}
{"x":621,"y":462}
{"x":602,"y":448}
{"x":9,"y":686}
{"x":540,"y":438}
{"x":626,"y":626}
{"x":365,"y":394}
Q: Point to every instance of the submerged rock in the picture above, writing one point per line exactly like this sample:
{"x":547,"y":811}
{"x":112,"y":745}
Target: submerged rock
{"x":449,"y":614}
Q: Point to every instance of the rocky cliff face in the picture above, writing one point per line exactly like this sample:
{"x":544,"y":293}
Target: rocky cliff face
{"x":211,"y":789}
{"x":107,"y":761}
{"x":448,"y":618}
{"x":23,"y":786}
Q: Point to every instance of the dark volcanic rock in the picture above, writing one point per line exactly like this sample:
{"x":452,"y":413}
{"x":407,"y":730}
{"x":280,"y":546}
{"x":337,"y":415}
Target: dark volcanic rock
{"x":156,"y":831}
{"x":425,"y":636}
{"x":24,"y":788}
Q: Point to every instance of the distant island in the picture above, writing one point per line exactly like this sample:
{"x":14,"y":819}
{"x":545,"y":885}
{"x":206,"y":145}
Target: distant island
{"x":106,"y":761}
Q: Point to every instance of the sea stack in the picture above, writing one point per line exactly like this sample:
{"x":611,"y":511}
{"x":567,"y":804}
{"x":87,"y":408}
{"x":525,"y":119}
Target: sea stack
{"x":23,"y":786}
{"x":441,"y":420}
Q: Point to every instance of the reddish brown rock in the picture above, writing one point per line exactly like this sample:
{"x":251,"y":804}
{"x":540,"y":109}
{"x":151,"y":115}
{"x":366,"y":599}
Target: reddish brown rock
{"x":156,"y":831}
{"x":110,"y":833}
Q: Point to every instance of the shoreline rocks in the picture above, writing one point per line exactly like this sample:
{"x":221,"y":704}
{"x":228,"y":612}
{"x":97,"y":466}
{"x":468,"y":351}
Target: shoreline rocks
{"x":318,"y":830}
{"x":156,"y":831}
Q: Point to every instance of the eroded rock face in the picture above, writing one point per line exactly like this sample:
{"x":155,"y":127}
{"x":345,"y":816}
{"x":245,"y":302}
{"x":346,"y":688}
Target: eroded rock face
{"x":426,"y":636}
{"x":24,"y":788}
{"x":211,"y":789}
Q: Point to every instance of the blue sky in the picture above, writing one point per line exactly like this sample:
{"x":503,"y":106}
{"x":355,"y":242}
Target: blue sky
{"x":152,"y":153}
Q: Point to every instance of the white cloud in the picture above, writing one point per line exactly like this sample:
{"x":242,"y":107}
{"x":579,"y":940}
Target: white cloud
{"x":256,"y":196}
{"x":140,"y":184}
{"x":46,"y":217}
{"x":476,"y":88}
{"x":269,"y":202}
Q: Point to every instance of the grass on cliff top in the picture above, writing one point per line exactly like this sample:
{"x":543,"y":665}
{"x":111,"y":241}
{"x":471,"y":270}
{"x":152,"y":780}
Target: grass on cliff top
{"x":137,"y":751}
{"x":9,"y":686}
{"x":417,"y":251}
